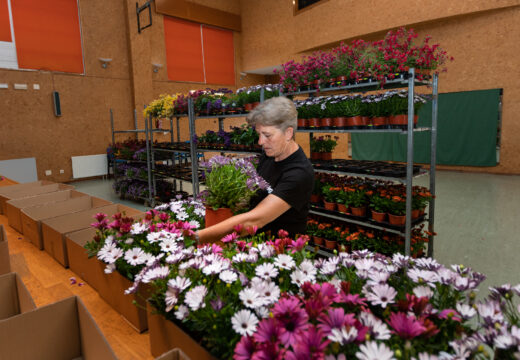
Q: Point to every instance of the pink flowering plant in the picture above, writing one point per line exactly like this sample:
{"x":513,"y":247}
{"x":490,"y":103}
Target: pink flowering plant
{"x":218,"y":293}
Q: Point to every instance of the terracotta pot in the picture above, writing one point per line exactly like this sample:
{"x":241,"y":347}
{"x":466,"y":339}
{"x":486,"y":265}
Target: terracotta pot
{"x":361,"y":212}
{"x":216,"y":216}
{"x":315,"y":156}
{"x":355,"y":121}
{"x":422,"y":211}
{"x":255,"y":104}
{"x":315,"y":198}
{"x":416,"y":213}
{"x":339,"y":122}
{"x":314,"y":122}
{"x":317,"y":240}
{"x":326,"y":156}
{"x":398,"y":220}
{"x":342,"y":208}
{"x":325,"y":122}
{"x":366,"y":120}
{"x":248,"y":107}
{"x":330,"y":244}
{"x":379,"y":217}
{"x":316,"y":83}
{"x":401,"y":119}
{"x":415,"y":119}
{"x":380,"y":121}
{"x":302,"y":123}
{"x":329,"y":205}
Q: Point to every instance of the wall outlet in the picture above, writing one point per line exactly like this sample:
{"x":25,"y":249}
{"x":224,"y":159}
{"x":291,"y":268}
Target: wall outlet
{"x":36,"y":86}
{"x":62,"y":171}
{"x":20,"y":86}
{"x":48,"y":172}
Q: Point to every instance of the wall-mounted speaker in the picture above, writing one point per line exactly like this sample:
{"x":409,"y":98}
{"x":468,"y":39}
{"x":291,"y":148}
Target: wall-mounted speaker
{"x":57,"y":105}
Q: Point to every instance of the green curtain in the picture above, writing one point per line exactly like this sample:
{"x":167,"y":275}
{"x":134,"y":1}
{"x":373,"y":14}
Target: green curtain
{"x":466,"y":133}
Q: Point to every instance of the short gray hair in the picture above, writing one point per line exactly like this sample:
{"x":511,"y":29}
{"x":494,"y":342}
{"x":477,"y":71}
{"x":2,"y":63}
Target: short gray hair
{"x":277,"y":111}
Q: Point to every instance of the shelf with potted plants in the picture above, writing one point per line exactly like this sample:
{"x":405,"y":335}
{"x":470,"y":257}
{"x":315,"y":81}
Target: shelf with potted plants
{"x":397,"y":61}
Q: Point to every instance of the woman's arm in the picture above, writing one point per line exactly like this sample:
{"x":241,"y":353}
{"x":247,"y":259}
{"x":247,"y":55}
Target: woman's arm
{"x":266,"y":211}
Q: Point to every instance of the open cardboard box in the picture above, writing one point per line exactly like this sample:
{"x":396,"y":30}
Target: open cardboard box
{"x":14,"y":297}
{"x":54,"y":230}
{"x":13,"y":207}
{"x":29,"y":191}
{"x":174,"y":354}
{"x":33,"y":216}
{"x":60,"y":331}
{"x":6,"y":181}
{"x":5,"y":264}
{"x":6,"y":190}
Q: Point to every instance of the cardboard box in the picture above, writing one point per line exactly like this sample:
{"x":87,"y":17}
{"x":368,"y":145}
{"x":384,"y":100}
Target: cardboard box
{"x":5,"y":264}
{"x":165,"y":335}
{"x":28,"y":191}
{"x":6,"y":190}
{"x":63,"y":330}
{"x":175,"y":354}
{"x":13,"y":207}
{"x":33,"y":216}
{"x":15,"y":299}
{"x":6,"y":181}
{"x":54,"y":230}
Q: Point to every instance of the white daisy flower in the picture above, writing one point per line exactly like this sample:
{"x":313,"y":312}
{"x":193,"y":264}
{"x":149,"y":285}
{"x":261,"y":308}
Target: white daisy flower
{"x":266,"y":271}
{"x":262,"y":312}
{"x":271,"y":292}
{"x":180,"y":283}
{"x":381,"y":295}
{"x":171,"y":299}
{"x":298,"y":277}
{"x":109,"y":269}
{"x":175,"y":258}
{"x":266,"y":251}
{"x":135,"y":256}
{"x":156,"y":273}
{"x":214,"y":268}
{"x":114,"y":255}
{"x":285,"y":262}
{"x":466,"y":311}
{"x":168,"y":245}
{"x":423,"y":291}
{"x":182,"y":312}
{"x":138,"y":228}
{"x":195,"y":224}
{"x":228,"y":276}
{"x":200,"y":212}
{"x":371,"y":350}
{"x":251,"y":298}
{"x":153,"y":237}
{"x":244,"y":322}
{"x":195,"y":297}
{"x":182,"y":215}
{"x":239,"y":258}
{"x":129,"y":241}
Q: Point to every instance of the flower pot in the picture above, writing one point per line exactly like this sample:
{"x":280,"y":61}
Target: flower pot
{"x":341,"y":80}
{"x":355,"y":122}
{"x":377,"y":216}
{"x":326,"y":156}
{"x":216,"y":216}
{"x":317,"y":240}
{"x":165,"y":335}
{"x":416,"y":213}
{"x":315,"y":156}
{"x":339,"y":122}
{"x":366,"y":120}
{"x":329,"y":205}
{"x":380,"y":121}
{"x":248,"y":107}
{"x":397,"y":220}
{"x":255,"y":104}
{"x":325,"y":123}
{"x":314,"y":123}
{"x":330,"y":244}
{"x":422,"y":211}
{"x":360,"y":212}
{"x":342,"y":208}
{"x":302,"y":123}
{"x":315,"y":198}
{"x":316,"y":83}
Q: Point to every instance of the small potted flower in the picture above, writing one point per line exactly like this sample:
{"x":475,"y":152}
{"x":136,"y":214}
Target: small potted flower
{"x":397,"y":210}
{"x":327,"y":146}
{"x":357,"y":200}
{"x":379,"y":205}
{"x":330,"y":195}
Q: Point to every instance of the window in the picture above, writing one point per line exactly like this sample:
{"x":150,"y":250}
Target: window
{"x":45,"y":35}
{"x":301,"y":5}
{"x":198,"y":53}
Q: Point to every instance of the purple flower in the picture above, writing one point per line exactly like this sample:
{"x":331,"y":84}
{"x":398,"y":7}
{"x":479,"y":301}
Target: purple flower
{"x":333,"y":319}
{"x":244,"y":349}
{"x":268,"y":331}
{"x":292,"y":317}
{"x":407,"y":327}
{"x":310,"y":345}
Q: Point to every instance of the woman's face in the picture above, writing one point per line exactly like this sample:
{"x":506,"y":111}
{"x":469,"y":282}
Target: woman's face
{"x":274,"y":141}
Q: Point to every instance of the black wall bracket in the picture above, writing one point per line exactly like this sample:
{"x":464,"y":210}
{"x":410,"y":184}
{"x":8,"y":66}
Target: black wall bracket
{"x":139,"y":10}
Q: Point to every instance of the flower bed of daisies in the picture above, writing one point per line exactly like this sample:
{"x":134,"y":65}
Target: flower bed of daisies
{"x":251,"y":297}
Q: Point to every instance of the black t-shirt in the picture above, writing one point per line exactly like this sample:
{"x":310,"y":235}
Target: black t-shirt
{"x":292,"y":180}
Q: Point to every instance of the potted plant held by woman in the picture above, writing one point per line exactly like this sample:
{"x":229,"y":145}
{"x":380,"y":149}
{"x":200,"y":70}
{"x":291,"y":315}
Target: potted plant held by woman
{"x":230,"y":184}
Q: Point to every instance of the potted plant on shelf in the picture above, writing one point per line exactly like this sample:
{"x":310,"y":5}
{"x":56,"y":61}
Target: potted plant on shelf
{"x":313,"y":113}
{"x":329,"y":196}
{"x":336,"y":112}
{"x":315,"y":146}
{"x":230,"y":184}
{"x":328,"y":144}
{"x":357,"y":200}
{"x":303,"y":115}
{"x":354,"y":119}
{"x":326,"y":115}
{"x":397,"y":210}
{"x":379,"y":206}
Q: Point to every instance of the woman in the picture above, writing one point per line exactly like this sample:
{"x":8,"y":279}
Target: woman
{"x":284,"y":166}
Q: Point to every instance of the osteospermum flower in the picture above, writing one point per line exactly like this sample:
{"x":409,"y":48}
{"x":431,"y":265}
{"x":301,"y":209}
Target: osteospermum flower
{"x":344,"y":335}
{"x":407,"y":327}
{"x":285,"y":262}
{"x":466,"y":311}
{"x":182,"y":312}
{"x":298,"y":278}
{"x":171,"y":299}
{"x":195,"y":297}
{"x":271,"y":292}
{"x":180,"y":283}
{"x":293,"y":318}
{"x":377,"y":328}
{"x":381,"y":295}
{"x":160,"y":272}
{"x":228,"y":276}
{"x":423,"y":291}
{"x":153,"y":237}
{"x":135,"y":256}
{"x":251,"y":298}
{"x":307,"y":267}
{"x":266,"y":271}
{"x":371,"y":350}
{"x":244,"y":349}
{"x":269,"y":331}
{"x":244,"y":322}
{"x":168,"y":245}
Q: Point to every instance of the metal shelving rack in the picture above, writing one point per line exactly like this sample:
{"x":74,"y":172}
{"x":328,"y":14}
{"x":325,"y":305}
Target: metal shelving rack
{"x":410,"y":82}
{"x":148,"y":132}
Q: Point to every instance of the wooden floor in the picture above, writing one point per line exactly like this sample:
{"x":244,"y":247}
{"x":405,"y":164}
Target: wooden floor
{"x":48,"y":282}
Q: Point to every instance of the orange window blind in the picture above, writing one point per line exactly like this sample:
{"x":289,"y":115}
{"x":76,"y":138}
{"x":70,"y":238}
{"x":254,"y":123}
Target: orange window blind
{"x":184,"y":58}
{"x":219,"y":56}
{"x":48,"y":35}
{"x":5,"y":23}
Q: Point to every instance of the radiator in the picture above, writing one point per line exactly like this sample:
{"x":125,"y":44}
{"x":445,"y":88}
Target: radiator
{"x":89,"y":165}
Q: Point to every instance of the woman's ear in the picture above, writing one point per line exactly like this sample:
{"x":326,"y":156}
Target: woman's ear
{"x":289,"y":133}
